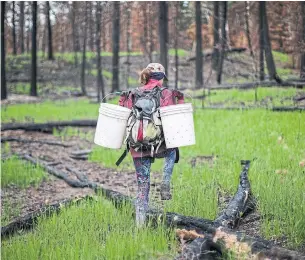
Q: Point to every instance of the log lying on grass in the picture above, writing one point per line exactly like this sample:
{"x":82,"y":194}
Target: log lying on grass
{"x":15,"y":139}
{"x":241,"y":203}
{"x":284,"y":109}
{"x":210,"y":53}
{"x":225,"y":238}
{"x":42,"y":127}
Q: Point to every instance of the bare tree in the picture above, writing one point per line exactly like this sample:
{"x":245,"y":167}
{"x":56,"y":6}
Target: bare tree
{"x":199,"y":56}
{"x":100,"y":80}
{"x":268,"y":51}
{"x":176,"y":44}
{"x":163,"y":33}
{"x":14,"y":30}
{"x":21,"y":24}
{"x":91,"y":27}
{"x":223,"y":40}
{"x":247,"y":28}
{"x":83,"y":69}
{"x":34,"y":50}
{"x":50,"y":48}
{"x":302,"y":72}
{"x":128,"y":18}
{"x":74,"y":31}
{"x":261,"y":45}
{"x":115,"y":45}
{"x":216,"y":35}
{"x":3,"y":79}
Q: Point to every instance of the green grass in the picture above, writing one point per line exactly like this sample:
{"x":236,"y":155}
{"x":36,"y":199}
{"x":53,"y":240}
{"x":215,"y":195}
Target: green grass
{"x":91,"y":230}
{"x":265,"y":96}
{"x":20,"y":173}
{"x":277,"y":179}
{"x":280,"y":57}
{"x":181,"y":52}
{"x":108,"y":75}
{"x":10,"y":210}
{"x":233,"y":136}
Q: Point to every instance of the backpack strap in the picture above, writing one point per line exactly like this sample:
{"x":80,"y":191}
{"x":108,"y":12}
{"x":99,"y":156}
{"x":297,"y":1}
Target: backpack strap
{"x":177,"y":155}
{"x":122,"y":157}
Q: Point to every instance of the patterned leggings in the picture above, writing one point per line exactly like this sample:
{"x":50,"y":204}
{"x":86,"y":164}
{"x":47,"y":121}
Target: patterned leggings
{"x":142,"y":166}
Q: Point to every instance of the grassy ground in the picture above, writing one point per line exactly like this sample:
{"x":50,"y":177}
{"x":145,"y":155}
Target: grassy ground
{"x":20,"y":173}
{"x":92,"y":230}
{"x":276,"y":140}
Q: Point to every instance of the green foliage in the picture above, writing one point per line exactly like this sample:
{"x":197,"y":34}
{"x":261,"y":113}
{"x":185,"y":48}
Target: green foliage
{"x":91,"y":230}
{"x":280,"y":57}
{"x":20,"y":173}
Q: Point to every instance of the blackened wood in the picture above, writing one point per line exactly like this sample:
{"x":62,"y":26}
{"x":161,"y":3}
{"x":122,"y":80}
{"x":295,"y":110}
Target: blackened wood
{"x":33,"y":91}
{"x":3,"y":67}
{"x":199,"y":60}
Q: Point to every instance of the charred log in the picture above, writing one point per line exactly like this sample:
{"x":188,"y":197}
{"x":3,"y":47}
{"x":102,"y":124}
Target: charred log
{"x":15,"y":139}
{"x":240,"y":203}
{"x":42,"y":127}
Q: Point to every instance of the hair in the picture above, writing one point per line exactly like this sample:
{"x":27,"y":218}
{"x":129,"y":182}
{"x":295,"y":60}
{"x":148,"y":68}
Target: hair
{"x":145,"y":76}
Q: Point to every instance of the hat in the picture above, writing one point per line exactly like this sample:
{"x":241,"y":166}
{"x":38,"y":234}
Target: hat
{"x":157,"y":67}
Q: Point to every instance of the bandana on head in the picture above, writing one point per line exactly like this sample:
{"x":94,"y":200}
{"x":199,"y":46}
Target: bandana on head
{"x":157,"y":75}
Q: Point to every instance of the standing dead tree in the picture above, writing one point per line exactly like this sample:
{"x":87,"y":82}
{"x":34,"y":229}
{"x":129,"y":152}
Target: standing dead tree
{"x":128,"y":19}
{"x":267,"y":46}
{"x":302,"y":71}
{"x":14,"y":29}
{"x":115,"y":46}
{"x":177,"y":4}
{"x":50,"y":48}
{"x":199,"y":56}
{"x":21,"y":24}
{"x":83,"y":69}
{"x":74,"y":31}
{"x":33,"y":91}
{"x":216,"y":35}
{"x":223,"y":9}
{"x":100,"y":80}
{"x":163,"y":34}
{"x":261,"y":47}
{"x":3,"y":78}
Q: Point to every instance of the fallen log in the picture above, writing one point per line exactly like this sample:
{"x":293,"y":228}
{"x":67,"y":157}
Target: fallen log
{"x":59,"y":174}
{"x":15,"y":139}
{"x":283,"y":109}
{"x":41,"y":127}
{"x":243,"y":246}
{"x":238,"y":242}
{"x":240,"y":204}
{"x":29,"y":220}
{"x":298,"y":99}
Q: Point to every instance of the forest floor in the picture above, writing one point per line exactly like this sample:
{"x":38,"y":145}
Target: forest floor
{"x":16,"y":201}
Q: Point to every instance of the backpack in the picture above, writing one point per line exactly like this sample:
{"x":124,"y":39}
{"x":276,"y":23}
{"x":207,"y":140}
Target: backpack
{"x":144,"y":127}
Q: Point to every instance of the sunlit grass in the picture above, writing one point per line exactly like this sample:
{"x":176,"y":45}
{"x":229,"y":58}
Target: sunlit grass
{"x":20,"y":173}
{"x":92,"y":230}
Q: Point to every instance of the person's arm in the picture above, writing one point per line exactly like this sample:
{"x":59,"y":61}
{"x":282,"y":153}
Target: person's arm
{"x":125,"y":100}
{"x":179,"y":96}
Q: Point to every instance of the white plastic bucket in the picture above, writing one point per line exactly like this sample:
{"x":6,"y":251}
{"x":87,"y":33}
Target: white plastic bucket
{"x":111,"y":126}
{"x":178,"y":125}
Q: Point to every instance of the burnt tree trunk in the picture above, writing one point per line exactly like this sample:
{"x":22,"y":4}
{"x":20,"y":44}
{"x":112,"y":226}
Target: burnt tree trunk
{"x":176,"y":46}
{"x":100,"y":80}
{"x":128,"y":11}
{"x":247,"y":28}
{"x":115,"y":46}
{"x":302,"y":72}
{"x":33,"y":91}
{"x":83,"y":87}
{"x":74,"y":32}
{"x":21,"y":24}
{"x":50,"y":48}
{"x":163,"y":34}
{"x":14,"y":30}
{"x":216,"y":36}
{"x":3,"y":79}
{"x":223,"y":39}
{"x":91,"y":27}
{"x":199,"y":56}
{"x":267,"y":46}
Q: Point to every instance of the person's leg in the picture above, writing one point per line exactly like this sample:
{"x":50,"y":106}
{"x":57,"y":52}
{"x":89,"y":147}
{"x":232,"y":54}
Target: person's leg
{"x":170,"y":157}
{"x":142,"y":166}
